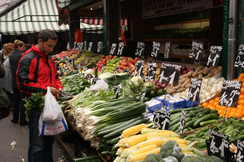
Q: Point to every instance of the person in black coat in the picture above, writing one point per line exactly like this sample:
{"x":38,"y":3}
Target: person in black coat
{"x":130,"y":49}
{"x":18,"y":109}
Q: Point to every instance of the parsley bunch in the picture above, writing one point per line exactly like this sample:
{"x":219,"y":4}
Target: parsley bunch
{"x":34,"y":102}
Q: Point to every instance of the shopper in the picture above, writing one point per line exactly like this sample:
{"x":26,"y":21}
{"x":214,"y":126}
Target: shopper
{"x":37,"y":71}
{"x":8,"y":49}
{"x":18,"y":108}
{"x":2,"y":51}
{"x":130,"y":48}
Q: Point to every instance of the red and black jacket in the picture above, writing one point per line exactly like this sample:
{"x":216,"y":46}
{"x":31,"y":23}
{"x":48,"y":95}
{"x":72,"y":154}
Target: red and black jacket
{"x":36,"y":71}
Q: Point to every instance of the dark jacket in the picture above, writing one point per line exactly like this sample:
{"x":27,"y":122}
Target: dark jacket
{"x":130,"y":49}
{"x":36,"y":71}
{"x":14,"y":58}
{"x":4,"y":101}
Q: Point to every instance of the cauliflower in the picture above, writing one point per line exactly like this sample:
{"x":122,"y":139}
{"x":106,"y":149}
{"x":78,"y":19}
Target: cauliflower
{"x":171,"y":148}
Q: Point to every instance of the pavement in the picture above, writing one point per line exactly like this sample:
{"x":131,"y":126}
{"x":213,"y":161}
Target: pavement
{"x":10,"y":132}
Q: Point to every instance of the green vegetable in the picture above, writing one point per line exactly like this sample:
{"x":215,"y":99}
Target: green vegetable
{"x":161,"y":92}
{"x":192,"y":159}
{"x":169,"y":158}
{"x":153,"y":158}
{"x":204,"y":118}
{"x":171,"y":148}
{"x":153,"y":93}
{"x":34,"y":102}
{"x":213,"y":159}
{"x":208,"y":122}
{"x":190,"y":123}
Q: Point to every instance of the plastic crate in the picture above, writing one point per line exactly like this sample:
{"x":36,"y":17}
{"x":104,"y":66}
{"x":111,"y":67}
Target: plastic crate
{"x":88,"y":159}
{"x":192,"y":103}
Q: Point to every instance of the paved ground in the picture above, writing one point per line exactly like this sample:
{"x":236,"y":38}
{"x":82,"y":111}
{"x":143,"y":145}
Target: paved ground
{"x":14,"y":132}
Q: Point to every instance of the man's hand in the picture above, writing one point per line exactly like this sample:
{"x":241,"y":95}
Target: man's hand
{"x":54,"y":91}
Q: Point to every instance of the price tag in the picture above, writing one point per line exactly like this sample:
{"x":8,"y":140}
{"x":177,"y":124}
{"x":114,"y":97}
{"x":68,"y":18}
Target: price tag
{"x":162,"y":118}
{"x":99,"y":47}
{"x":151,"y":71}
{"x":74,"y":45}
{"x":102,"y":68}
{"x":84,"y":68}
{"x":79,"y":46}
{"x":89,"y":77}
{"x":230,"y":93}
{"x":85,"y":45}
{"x":116,"y":91}
{"x":155,"y":49}
{"x":194,"y":89}
{"x":240,"y":151}
{"x":113,"y":48}
{"x":139,"y":68}
{"x":219,"y":144}
{"x":94,"y":81}
{"x":214,"y":56}
{"x":68,"y":46}
{"x":196,"y":50}
{"x":90,"y":46}
{"x":142,"y":96}
{"x":182,"y":121}
{"x":126,"y":70}
{"x":120,"y":49}
{"x":240,"y":57}
{"x":140,"y":49}
{"x":169,"y":74}
{"x":167,"y":50}
{"x":116,"y":70}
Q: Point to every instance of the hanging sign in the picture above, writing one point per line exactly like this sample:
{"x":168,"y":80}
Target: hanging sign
{"x":99,"y":47}
{"x":139,"y":68}
{"x":85,"y":45}
{"x":169,"y":74}
{"x":196,"y":50}
{"x":126,"y":70}
{"x":162,"y":119}
{"x":90,"y":46}
{"x":113,"y":48}
{"x":155,"y":49}
{"x":167,"y":50}
{"x":240,"y":151}
{"x":214,"y":56}
{"x":230,"y":93}
{"x":68,"y":46}
{"x":116,"y":91}
{"x":219,"y":144}
{"x":194,"y":89}
{"x":151,"y":71}
{"x":182,"y":121}
{"x":120,"y":49}
{"x":240,"y":58}
{"x":140,"y":49}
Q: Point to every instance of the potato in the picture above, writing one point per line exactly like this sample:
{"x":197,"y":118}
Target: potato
{"x":185,"y":83}
{"x":171,"y":90}
{"x":195,"y":74}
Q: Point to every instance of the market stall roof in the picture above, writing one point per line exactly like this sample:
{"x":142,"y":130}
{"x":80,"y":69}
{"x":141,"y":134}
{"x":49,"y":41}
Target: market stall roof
{"x":99,"y":21}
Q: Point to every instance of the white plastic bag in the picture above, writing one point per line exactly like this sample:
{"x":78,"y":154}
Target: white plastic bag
{"x":52,"y":111}
{"x":100,"y":84}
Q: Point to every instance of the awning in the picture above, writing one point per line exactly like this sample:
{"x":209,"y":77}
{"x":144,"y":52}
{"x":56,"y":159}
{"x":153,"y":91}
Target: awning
{"x":99,"y":21}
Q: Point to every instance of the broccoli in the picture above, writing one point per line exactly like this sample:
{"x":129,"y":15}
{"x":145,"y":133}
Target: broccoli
{"x":192,"y":158}
{"x":169,"y":159}
{"x":153,"y":158}
{"x":213,"y":159}
{"x":171,"y":148}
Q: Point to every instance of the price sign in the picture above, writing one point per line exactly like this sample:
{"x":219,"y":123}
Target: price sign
{"x":74,"y":44}
{"x":89,"y":77}
{"x":102,"y":68}
{"x":151,"y":71}
{"x":240,"y":151}
{"x":120,"y":49}
{"x":85,"y":45}
{"x":155,"y":49}
{"x":140,"y":49}
{"x":142,"y":96}
{"x":240,"y":57}
{"x":196,"y":50}
{"x":94,"y":81}
{"x":169,"y":73}
{"x":126,"y":70}
{"x":230,"y":93}
{"x":70,"y":62}
{"x":84,"y":68}
{"x":139,"y":68}
{"x":116,"y":70}
{"x":167,"y":50}
{"x":219,"y":144}
{"x":79,"y":46}
{"x":116,"y":91}
{"x":182,"y":121}
{"x":162,"y":118}
{"x":214,"y":56}
{"x":68,"y":46}
{"x":194,"y":89}
{"x":99,"y":47}
{"x":90,"y":46}
{"x":113,"y":48}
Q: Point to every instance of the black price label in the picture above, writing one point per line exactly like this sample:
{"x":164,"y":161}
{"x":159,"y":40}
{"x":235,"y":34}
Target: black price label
{"x":169,"y":73}
{"x":155,"y":49}
{"x":116,"y":91}
{"x":194,"y":89}
{"x":143,"y":95}
{"x":214,"y":56}
{"x":70,"y":62}
{"x":182,"y":121}
{"x":151,"y":71}
{"x":139,"y":68}
{"x":102,"y":68}
{"x":74,"y":45}
{"x":240,"y":57}
{"x":116,"y":70}
{"x":120,"y":49}
{"x":140,"y":49}
{"x":94,"y":81}
{"x":162,"y":119}
{"x":85,"y":45}
{"x":126,"y":70}
{"x":113,"y":48}
{"x":230,"y":93}
{"x":240,"y":151}
{"x":99,"y":47}
{"x":79,"y":46}
{"x":167,"y":50}
{"x":90,"y":46}
{"x":219,"y":144}
{"x":68,"y":46}
{"x":196,"y":50}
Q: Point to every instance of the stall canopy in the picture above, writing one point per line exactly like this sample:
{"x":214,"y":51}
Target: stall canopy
{"x":35,"y":15}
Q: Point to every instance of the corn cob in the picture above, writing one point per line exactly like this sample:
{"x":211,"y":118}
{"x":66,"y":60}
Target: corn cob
{"x":157,"y":142}
{"x":149,"y":130}
{"x":133,"y":130}
{"x":161,"y":135}
{"x":119,"y":151}
{"x":144,"y":149}
{"x":142,"y":156}
{"x":133,"y":141}
{"x":126,"y":152}
{"x":182,"y":145}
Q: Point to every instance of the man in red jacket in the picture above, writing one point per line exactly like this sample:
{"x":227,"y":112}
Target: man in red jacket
{"x":37,"y":71}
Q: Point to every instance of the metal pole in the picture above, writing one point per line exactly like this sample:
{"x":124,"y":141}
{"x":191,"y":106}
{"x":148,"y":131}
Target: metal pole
{"x":233,"y":21}
{"x":105,"y":22}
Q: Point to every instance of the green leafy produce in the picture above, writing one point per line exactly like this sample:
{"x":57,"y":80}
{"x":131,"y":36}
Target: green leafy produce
{"x":213,"y":159}
{"x":153,"y":158}
{"x":169,"y":158}
{"x":171,"y":148}
{"x":116,"y":79}
{"x":192,"y":158}
{"x":34,"y":102}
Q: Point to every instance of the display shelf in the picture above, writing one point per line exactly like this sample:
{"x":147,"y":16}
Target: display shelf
{"x":185,"y":57}
{"x":184,"y":22}
{"x":181,"y":40}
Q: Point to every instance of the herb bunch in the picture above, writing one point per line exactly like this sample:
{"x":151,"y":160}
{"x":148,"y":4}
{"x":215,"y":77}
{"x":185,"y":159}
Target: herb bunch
{"x":34,"y":102}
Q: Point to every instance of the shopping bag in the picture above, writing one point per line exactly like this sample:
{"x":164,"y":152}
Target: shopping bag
{"x":52,"y":111}
{"x":5,"y":112}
